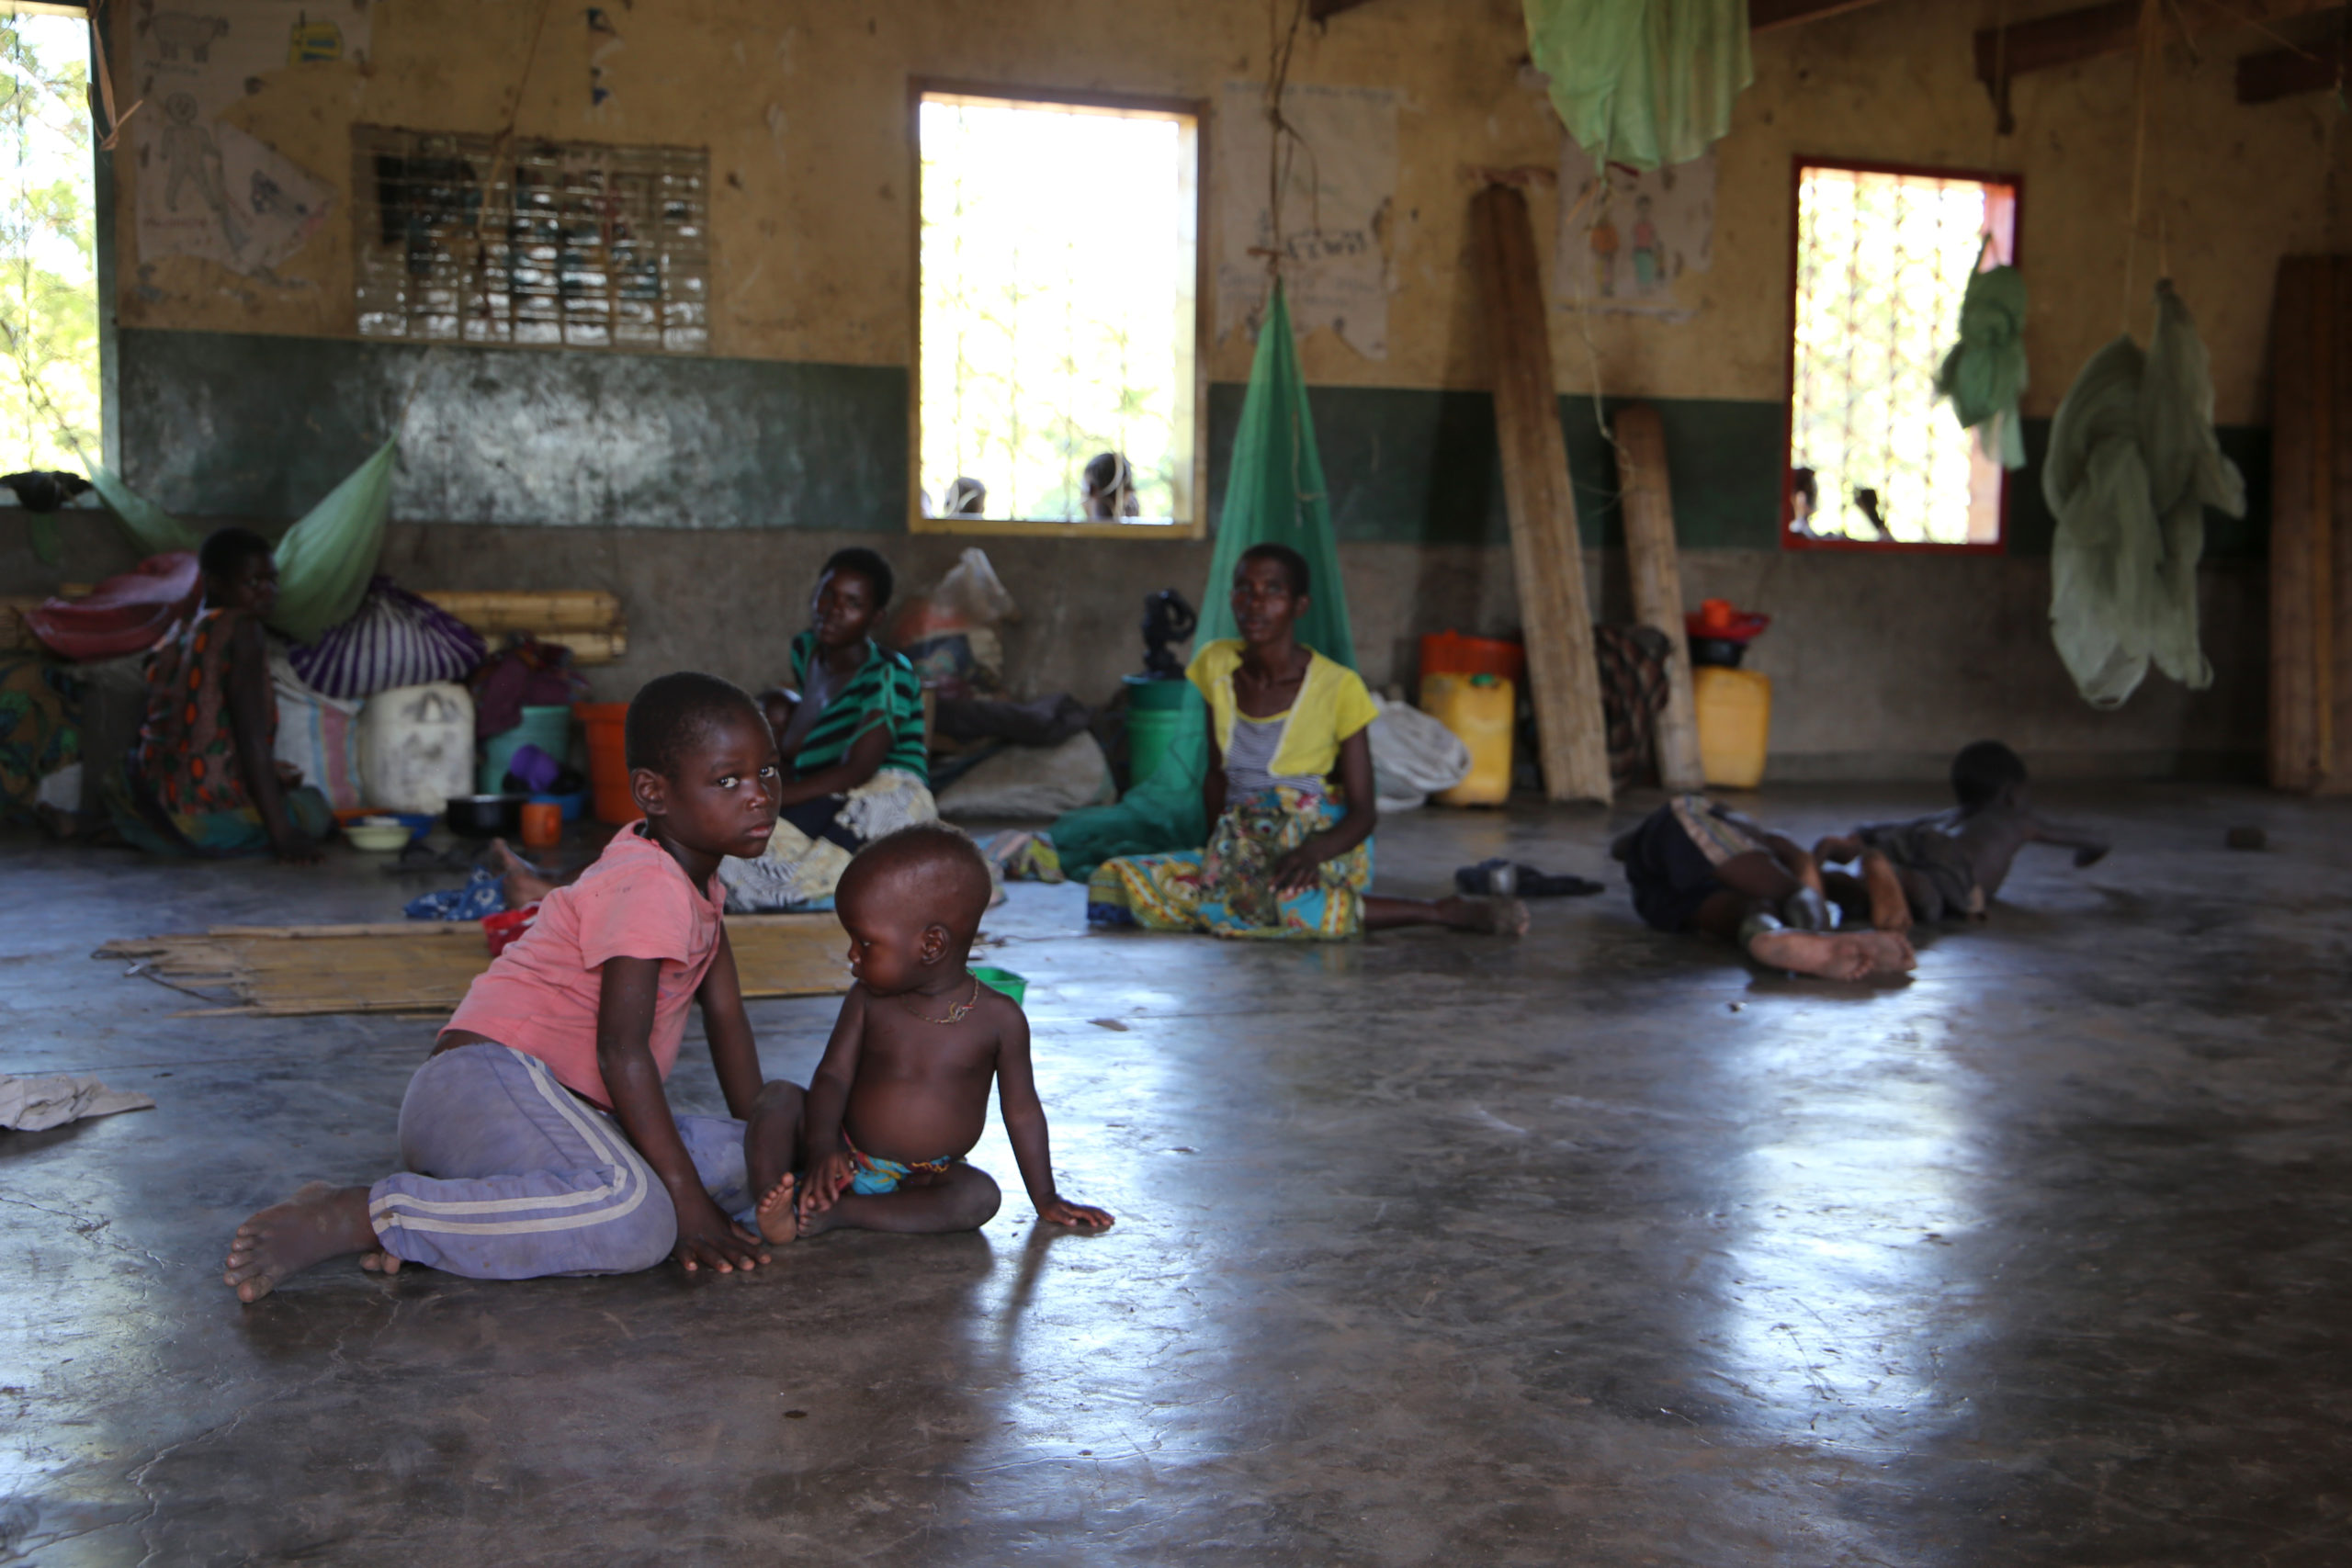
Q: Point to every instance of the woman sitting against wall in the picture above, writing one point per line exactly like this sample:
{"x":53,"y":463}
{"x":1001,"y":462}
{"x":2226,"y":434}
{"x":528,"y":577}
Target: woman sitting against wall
{"x":204,"y":778}
{"x":1283,"y":859}
{"x":850,"y":732}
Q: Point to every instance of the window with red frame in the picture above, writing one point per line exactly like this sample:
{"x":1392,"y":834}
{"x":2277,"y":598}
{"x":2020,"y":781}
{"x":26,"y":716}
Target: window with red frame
{"x":1876,"y":459}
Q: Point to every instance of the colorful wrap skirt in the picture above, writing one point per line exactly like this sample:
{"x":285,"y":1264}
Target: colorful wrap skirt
{"x":1227,"y":888}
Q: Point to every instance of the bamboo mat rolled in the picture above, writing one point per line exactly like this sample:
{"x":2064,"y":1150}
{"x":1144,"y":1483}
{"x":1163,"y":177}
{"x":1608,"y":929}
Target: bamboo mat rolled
{"x":424,"y":966}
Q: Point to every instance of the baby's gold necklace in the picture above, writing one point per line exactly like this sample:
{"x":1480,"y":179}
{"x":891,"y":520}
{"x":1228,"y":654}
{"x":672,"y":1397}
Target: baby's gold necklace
{"x":956,"y":1012}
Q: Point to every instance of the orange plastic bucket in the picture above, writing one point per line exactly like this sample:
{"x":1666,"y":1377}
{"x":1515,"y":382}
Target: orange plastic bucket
{"x":1450,"y":653}
{"x":608,"y":760}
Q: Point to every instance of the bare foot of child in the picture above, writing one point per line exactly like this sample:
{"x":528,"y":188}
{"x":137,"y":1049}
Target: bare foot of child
{"x":1890,"y":910}
{"x":317,"y":1223}
{"x":1494,"y":916}
{"x":1844,"y":955}
{"x":522,"y":881}
{"x":778,"y":1214}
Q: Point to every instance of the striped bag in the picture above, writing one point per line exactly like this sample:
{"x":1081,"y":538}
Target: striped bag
{"x":394,"y":639}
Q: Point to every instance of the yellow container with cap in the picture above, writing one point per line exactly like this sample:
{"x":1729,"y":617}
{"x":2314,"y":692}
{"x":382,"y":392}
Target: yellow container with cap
{"x":1735,"y":723}
{"x":1479,"y":709}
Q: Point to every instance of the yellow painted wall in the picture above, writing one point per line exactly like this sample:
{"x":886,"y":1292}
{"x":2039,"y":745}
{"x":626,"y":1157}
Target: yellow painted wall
{"x":803,"y":105}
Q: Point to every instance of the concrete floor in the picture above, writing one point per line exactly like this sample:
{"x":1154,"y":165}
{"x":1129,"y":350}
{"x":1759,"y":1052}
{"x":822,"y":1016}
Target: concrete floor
{"x":1601,"y":1249}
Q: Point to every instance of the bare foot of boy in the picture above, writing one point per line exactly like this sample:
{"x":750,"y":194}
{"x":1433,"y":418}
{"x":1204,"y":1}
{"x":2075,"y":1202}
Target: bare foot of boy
{"x":521,"y":881}
{"x":778,"y":1214}
{"x":1494,"y":916}
{"x":1841,"y":956}
{"x":317,"y":1223}
{"x":1890,"y":910}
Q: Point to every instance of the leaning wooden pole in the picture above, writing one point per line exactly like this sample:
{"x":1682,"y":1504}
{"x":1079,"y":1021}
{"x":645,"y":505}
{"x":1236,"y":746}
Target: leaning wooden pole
{"x":1657,"y":585}
{"x":1546,"y":557}
{"x":2311,"y":357}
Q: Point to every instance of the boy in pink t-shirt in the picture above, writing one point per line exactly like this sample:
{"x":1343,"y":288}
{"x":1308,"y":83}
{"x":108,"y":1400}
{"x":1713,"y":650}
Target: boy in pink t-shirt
{"x":537,"y":1137}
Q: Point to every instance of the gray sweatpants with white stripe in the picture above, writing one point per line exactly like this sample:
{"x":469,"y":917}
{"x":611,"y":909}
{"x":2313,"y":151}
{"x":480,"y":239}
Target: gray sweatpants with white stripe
{"x":511,"y":1176}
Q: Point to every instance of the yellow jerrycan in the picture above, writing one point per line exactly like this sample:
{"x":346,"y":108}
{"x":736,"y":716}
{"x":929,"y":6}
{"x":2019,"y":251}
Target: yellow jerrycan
{"x":1479,"y":710}
{"x":1735,"y":723}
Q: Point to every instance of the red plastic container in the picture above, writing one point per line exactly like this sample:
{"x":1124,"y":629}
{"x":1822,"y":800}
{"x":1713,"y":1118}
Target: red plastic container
{"x":608,"y":761}
{"x":1450,"y":653}
{"x":504,"y":929}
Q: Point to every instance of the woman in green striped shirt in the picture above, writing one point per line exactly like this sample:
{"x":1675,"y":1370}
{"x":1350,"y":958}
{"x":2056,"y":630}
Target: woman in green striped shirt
{"x":850,"y":735}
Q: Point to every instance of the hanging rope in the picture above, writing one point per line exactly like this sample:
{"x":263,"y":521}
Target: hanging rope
{"x":2143,"y":92}
{"x":1282,"y":141}
{"x":105,"y":83}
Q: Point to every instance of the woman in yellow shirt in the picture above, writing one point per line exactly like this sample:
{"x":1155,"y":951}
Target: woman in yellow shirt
{"x":1284,"y":859}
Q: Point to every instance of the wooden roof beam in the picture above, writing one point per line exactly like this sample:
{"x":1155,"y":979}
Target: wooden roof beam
{"x":1764,"y":15}
{"x":2071,"y":37}
{"x":2317,"y":67}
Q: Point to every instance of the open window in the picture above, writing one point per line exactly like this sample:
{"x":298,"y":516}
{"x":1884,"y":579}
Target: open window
{"x":1058,"y":338}
{"x":51,"y":397}
{"x":1875,"y":459}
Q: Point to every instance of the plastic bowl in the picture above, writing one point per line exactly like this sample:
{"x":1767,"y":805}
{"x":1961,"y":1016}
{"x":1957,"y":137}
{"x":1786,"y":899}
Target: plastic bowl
{"x":376,"y":837}
{"x":1004,"y":980}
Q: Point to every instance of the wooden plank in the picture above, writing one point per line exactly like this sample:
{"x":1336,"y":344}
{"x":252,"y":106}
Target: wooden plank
{"x":1546,"y":557}
{"x":2300,"y":480}
{"x":2332,"y":546}
{"x":1657,"y":570}
{"x":561,"y":610}
{"x":1764,"y":15}
{"x":425,"y":966}
{"x":2071,"y":37}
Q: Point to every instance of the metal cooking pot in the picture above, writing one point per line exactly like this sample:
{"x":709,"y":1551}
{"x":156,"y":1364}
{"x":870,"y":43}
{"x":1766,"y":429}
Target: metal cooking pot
{"x":486,"y":816}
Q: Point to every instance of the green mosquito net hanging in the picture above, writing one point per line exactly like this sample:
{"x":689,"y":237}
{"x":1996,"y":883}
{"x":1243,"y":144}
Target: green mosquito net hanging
{"x":1642,"y":83}
{"x":324,"y":561}
{"x":2133,"y":463}
{"x":1274,"y":495}
{"x":1985,"y":373}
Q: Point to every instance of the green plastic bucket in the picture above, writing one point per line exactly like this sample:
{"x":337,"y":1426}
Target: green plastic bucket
{"x":1004,"y":980}
{"x":1155,"y":716}
{"x":548,"y":728}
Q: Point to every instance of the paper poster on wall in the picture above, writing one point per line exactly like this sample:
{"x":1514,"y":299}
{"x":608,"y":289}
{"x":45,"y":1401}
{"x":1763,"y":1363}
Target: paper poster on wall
{"x":211,"y":189}
{"x":1620,"y":251}
{"x":1336,"y":203}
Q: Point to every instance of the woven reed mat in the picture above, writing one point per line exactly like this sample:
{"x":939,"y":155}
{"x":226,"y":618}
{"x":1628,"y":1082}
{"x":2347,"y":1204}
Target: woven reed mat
{"x":424,"y":967}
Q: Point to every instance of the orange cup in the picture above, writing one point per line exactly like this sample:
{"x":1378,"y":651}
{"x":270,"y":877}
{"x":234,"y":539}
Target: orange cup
{"x":542,"y":824}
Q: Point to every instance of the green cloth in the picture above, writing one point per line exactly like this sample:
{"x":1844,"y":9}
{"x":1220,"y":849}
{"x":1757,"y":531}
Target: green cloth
{"x":1985,"y":373}
{"x":2133,"y":465}
{"x":884,"y":691}
{"x":1274,"y":495}
{"x":1643,"y":83}
{"x":155,"y":531}
{"x":324,"y":562}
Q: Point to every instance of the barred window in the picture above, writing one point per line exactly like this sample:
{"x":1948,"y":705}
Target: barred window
{"x":1882,"y":256}
{"x":482,"y":239}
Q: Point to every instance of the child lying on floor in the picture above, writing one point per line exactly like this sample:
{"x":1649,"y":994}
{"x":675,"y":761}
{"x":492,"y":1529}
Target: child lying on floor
{"x":903,"y":1093}
{"x":1695,"y":864}
{"x":536,"y":1138}
{"x":1950,"y":866}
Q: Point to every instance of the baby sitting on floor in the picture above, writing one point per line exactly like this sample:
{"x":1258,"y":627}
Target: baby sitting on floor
{"x":879,"y":1138}
{"x":1950,"y":866}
